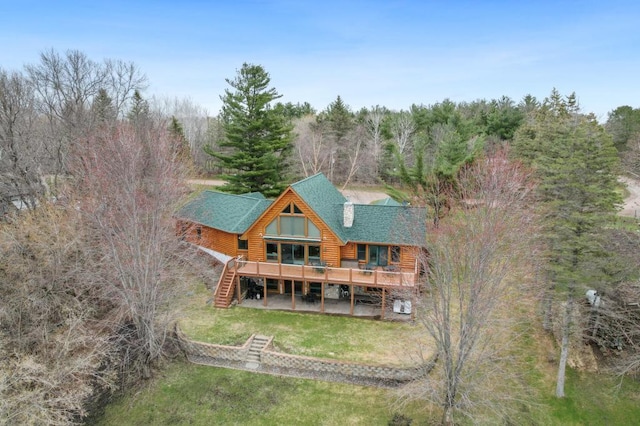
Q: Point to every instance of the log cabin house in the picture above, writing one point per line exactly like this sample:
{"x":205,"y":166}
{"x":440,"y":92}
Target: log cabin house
{"x":310,"y":244}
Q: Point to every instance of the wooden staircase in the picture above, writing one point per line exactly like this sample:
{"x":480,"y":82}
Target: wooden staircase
{"x":224,"y":291}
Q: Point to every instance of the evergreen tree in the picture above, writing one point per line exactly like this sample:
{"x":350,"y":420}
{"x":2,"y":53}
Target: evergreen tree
{"x":340,"y":119}
{"x":623,"y":125}
{"x":103,"y":109}
{"x":139,"y":111}
{"x":292,"y":111}
{"x":504,"y":118}
{"x":577,"y":165}
{"x":258,"y":138}
{"x":181,"y":144}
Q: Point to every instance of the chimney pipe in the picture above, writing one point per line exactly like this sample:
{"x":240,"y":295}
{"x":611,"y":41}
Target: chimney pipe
{"x":349,"y":214}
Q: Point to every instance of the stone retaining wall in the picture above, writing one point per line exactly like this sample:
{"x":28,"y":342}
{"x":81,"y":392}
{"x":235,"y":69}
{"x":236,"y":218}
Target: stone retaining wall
{"x":279,"y":363}
{"x":337,"y":367}
{"x":193,"y":348}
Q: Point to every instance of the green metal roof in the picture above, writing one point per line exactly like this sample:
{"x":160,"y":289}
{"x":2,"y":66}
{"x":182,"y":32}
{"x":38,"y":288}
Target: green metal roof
{"x":386,"y":202}
{"x":401,"y":225}
{"x":375,"y":223}
{"x":323,"y":198}
{"x":226,"y":212}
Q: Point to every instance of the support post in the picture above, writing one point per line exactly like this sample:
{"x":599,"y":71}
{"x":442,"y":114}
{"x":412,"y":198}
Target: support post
{"x":264,"y":290}
{"x":238,"y":290}
{"x":352,"y":300}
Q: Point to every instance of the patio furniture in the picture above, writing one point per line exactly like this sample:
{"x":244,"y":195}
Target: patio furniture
{"x":319,"y":266}
{"x":368,"y":268}
{"x":309,"y":297}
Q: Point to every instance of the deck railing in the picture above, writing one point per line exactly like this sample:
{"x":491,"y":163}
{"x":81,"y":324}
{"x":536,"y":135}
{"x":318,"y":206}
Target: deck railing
{"x":353,"y":276}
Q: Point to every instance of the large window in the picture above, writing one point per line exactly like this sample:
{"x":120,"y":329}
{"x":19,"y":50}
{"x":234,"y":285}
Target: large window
{"x":314,"y":253}
{"x":272,"y":252}
{"x":377,"y":254}
{"x":395,"y":254}
{"x":296,"y":254}
{"x":292,"y":223}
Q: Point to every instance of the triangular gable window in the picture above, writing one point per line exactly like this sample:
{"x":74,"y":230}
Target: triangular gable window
{"x":312,"y":230}
{"x":292,"y":223}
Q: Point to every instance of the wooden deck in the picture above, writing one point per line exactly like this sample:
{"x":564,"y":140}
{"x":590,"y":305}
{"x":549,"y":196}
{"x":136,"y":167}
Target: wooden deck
{"x":327,"y":274}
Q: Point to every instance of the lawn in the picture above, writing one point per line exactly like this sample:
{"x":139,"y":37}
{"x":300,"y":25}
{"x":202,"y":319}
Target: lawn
{"x":325,"y":336}
{"x":596,"y":399}
{"x":197,"y":395}
{"x":184,"y":393}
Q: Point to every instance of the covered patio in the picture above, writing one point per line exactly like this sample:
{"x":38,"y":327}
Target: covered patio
{"x":283,"y":302}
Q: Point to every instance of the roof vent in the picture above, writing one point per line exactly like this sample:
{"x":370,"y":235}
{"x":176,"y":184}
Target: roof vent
{"x":349,"y":213}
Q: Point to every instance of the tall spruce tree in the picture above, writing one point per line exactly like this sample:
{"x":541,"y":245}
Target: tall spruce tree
{"x":577,"y":165}
{"x":257,"y":138}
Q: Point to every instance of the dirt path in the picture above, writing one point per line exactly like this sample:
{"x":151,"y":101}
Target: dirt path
{"x":631,"y":205}
{"x":210,"y":182}
{"x":358,"y":196}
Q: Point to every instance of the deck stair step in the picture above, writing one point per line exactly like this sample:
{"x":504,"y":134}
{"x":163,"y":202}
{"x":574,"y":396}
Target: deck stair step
{"x":224,"y":291}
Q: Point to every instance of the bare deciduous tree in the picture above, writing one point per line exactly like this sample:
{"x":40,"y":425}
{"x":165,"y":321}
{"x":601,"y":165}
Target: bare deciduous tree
{"x":373,"y":121}
{"x":20,"y":149}
{"x":55,"y":351}
{"x":122,"y":79}
{"x":311,"y":145}
{"x":66,"y":86}
{"x":476,"y":264}
{"x":130,"y":184}
{"x":194,"y":120}
{"x":403,"y":127}
{"x":354,"y":155}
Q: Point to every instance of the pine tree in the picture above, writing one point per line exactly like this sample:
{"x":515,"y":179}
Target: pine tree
{"x":181,"y":144}
{"x":340,"y":119}
{"x":577,"y":165}
{"x":139,"y":111}
{"x":259,"y":140}
{"x":103,"y":109}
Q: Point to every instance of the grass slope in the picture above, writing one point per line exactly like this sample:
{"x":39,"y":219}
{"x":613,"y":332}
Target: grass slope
{"x":197,"y":395}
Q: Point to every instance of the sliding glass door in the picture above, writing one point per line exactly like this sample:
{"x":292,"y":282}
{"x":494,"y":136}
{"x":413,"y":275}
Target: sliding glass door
{"x":293,"y":254}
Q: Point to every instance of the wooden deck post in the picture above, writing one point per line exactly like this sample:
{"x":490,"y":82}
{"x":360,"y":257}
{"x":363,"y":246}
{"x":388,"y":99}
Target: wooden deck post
{"x":293,"y":295}
{"x":264,"y":290}
{"x":322,"y":297}
{"x":383,"y":300}
{"x":238,"y":289}
{"x":352,"y":300}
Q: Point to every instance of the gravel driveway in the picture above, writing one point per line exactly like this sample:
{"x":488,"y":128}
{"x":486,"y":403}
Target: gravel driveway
{"x":631,"y":205}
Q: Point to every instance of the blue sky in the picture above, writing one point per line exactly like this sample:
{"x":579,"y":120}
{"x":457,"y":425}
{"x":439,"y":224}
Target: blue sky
{"x":391,"y":53}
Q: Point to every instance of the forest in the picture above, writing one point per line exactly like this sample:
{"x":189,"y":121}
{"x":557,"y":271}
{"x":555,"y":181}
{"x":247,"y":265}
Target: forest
{"x":92,"y":170}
